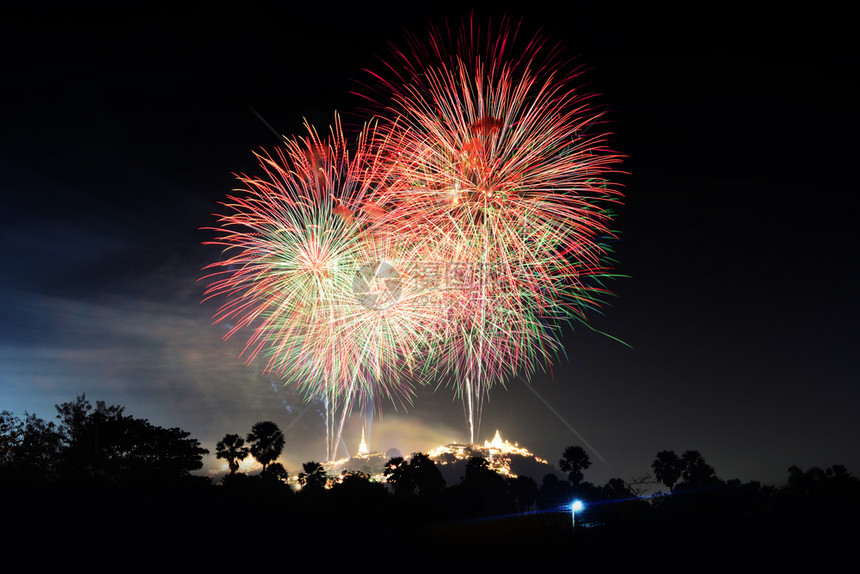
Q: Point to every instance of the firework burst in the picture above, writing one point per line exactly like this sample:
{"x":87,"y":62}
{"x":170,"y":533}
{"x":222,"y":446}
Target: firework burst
{"x":498,"y":163}
{"x":313,"y":281}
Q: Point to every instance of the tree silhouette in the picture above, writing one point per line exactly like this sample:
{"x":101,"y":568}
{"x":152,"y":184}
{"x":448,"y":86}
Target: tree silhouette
{"x":74,"y":417}
{"x":667,"y":468}
{"x":696,"y":472}
{"x":478,"y":468}
{"x":617,"y":489}
{"x":419,"y":472}
{"x":40,"y":447}
{"x":313,"y":478}
{"x":397,"y":474}
{"x":29,"y":448}
{"x":355,"y":494}
{"x":276,"y":472}
{"x":266,"y":442}
{"x":232,"y":448}
{"x":574,"y":460}
{"x":11,"y":430}
{"x":816,"y":482}
{"x":484,"y":491}
{"x":425,"y":474}
{"x":80,"y":429}
{"x":102,"y":444}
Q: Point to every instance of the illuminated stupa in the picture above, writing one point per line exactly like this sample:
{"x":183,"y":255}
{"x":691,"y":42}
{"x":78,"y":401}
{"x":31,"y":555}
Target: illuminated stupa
{"x":362,"y":446}
{"x":370,"y":463}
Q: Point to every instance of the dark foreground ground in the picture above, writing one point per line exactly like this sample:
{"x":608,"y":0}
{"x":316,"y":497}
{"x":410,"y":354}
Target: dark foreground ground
{"x":214,"y":527}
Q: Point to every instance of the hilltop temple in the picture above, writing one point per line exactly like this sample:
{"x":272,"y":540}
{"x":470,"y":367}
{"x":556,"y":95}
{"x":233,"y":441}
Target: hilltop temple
{"x":499,"y":454}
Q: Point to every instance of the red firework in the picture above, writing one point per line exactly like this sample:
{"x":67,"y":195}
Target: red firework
{"x":498,"y":161}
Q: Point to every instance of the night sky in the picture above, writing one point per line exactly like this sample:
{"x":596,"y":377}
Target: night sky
{"x":738,"y":232}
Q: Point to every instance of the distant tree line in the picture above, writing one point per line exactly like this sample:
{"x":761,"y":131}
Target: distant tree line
{"x":99,"y":446}
{"x":94,"y":444}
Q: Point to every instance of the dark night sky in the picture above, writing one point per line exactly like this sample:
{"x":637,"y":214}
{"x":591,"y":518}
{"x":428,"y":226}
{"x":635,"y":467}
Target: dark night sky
{"x":738,"y":233}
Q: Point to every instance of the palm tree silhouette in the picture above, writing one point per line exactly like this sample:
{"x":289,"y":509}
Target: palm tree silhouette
{"x":232,"y":448}
{"x":667,"y":468}
{"x":267,"y":442}
{"x":574,"y":460}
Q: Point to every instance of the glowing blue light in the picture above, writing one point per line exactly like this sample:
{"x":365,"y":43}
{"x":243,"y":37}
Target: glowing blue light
{"x":576,"y":506}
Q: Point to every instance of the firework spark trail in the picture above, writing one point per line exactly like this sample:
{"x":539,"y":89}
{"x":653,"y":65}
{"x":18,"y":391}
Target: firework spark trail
{"x":491,"y":167}
{"x":565,"y":423}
